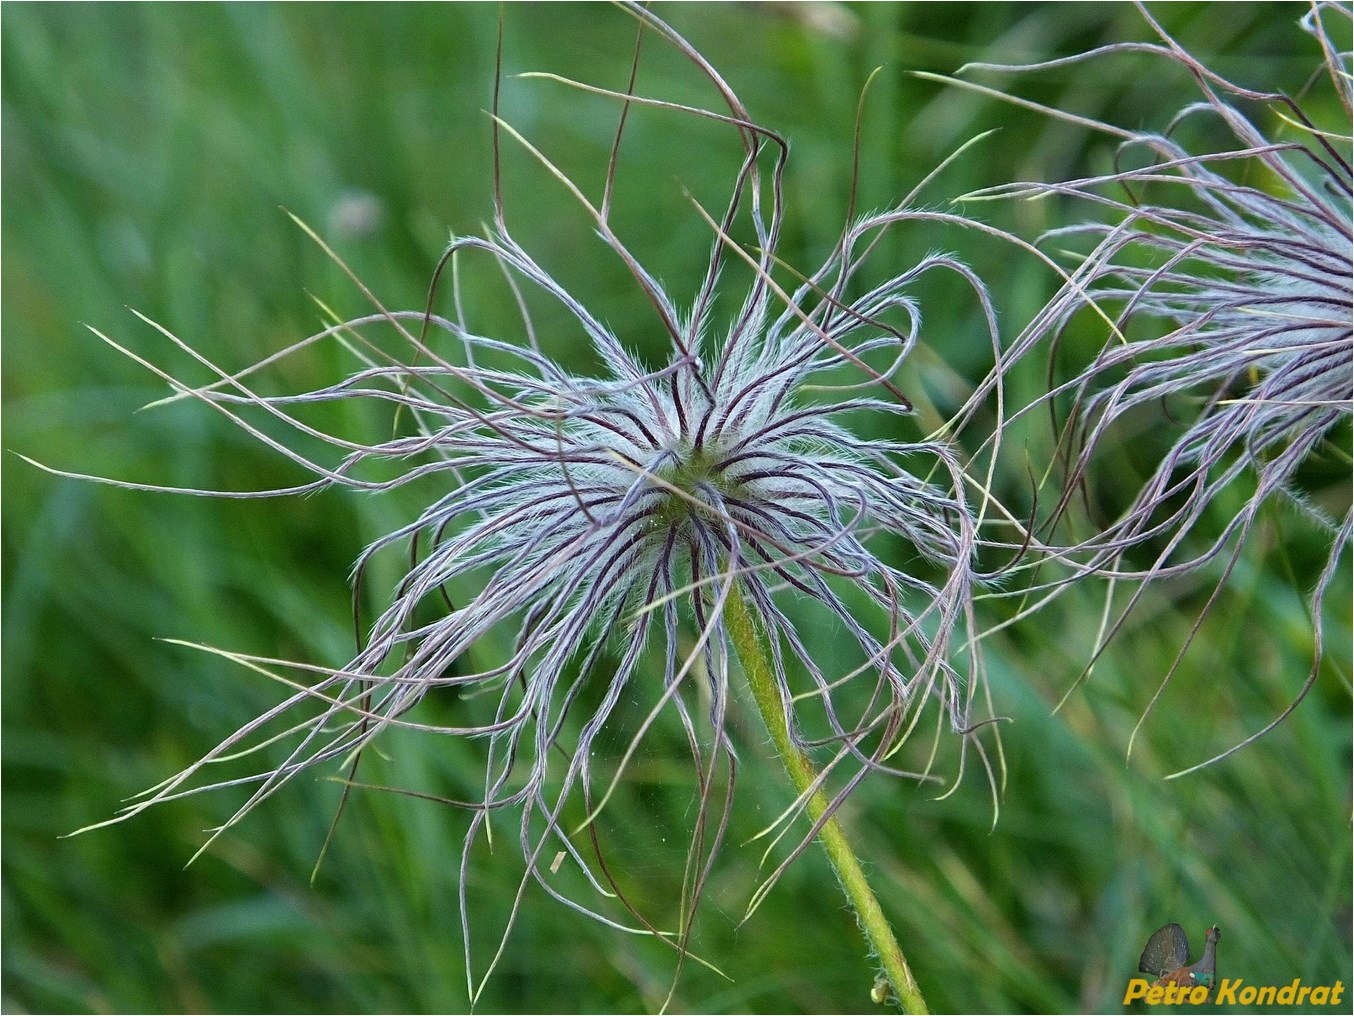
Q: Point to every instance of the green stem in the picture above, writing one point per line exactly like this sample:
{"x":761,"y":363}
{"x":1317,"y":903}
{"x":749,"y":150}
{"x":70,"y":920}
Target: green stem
{"x":749,"y":645}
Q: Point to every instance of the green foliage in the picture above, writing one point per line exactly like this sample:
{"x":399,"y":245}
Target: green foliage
{"x":147,"y":151}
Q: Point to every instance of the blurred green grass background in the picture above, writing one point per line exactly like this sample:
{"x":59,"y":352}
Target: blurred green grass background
{"x":147,"y":151}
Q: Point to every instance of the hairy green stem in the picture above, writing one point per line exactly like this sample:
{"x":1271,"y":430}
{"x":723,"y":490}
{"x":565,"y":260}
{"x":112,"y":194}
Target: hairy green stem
{"x":749,"y":644}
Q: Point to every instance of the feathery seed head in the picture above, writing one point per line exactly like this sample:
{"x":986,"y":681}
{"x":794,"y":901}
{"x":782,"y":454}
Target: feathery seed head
{"x":1224,"y":276}
{"x":607,"y":521}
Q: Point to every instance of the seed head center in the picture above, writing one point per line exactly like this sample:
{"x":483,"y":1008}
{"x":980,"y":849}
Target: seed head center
{"x":689,"y":482}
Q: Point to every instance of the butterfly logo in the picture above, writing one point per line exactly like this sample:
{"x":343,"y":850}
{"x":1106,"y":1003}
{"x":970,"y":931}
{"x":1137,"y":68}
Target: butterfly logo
{"x":1166,"y":957}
